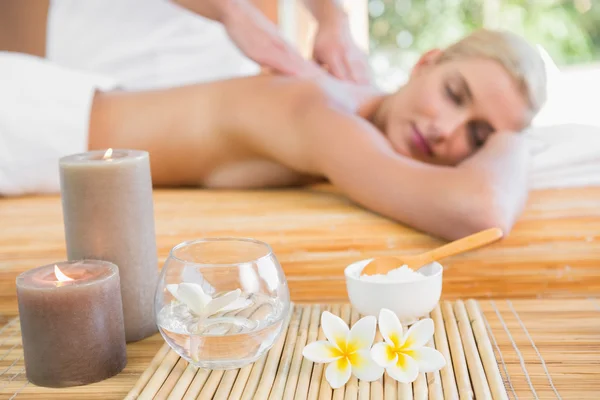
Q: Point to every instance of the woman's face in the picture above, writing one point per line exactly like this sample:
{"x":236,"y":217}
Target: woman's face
{"x":447,"y":110}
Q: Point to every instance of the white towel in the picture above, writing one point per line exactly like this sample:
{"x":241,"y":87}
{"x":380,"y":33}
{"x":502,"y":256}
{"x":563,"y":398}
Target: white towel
{"x":143,"y":44}
{"x":566,"y":155}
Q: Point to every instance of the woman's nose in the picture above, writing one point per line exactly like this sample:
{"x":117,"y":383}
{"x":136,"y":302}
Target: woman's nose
{"x":448,"y":125}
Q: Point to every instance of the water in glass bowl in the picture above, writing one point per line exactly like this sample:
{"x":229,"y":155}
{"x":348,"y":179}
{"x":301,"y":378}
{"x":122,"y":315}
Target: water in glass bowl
{"x":225,"y":340}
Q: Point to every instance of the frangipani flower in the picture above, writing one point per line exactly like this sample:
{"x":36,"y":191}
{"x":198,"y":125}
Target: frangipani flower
{"x":404,"y":356}
{"x":346,"y":350}
{"x":202,"y":304}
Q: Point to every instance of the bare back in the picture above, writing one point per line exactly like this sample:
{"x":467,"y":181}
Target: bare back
{"x":240,"y":135}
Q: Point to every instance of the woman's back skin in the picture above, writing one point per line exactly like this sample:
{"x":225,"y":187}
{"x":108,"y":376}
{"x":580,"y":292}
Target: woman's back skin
{"x":270,"y":131}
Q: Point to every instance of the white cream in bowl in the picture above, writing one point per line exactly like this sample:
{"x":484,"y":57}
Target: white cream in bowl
{"x":409,"y":294}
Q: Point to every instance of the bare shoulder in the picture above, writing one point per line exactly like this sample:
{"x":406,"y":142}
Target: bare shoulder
{"x":273,"y":116}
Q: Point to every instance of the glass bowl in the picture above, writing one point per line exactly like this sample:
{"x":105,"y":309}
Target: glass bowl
{"x":221,"y":302}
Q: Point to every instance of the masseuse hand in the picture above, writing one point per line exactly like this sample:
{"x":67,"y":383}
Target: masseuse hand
{"x":255,"y":35}
{"x":336,"y":50}
{"x":260,"y":39}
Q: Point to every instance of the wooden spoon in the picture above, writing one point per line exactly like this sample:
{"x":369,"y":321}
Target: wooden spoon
{"x":382,"y":265}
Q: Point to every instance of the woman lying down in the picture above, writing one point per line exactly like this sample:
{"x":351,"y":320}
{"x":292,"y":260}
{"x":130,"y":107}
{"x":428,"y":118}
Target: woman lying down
{"x":442,"y":154}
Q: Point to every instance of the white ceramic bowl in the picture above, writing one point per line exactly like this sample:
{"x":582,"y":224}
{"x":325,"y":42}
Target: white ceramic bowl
{"x":409,"y":300}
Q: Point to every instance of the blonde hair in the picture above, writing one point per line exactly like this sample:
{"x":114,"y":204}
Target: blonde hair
{"x":520,"y":59}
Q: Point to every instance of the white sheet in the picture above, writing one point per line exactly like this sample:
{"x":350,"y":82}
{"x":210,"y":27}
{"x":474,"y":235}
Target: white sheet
{"x":565,"y":155}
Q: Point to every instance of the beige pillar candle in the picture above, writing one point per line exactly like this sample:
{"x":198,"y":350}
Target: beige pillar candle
{"x":71,"y":323}
{"x":109,"y":215}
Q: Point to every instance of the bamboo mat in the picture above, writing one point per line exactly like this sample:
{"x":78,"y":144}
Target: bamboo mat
{"x":523,"y":349}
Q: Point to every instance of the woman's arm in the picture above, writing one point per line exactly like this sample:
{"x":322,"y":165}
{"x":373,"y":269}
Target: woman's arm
{"x":488,"y":190}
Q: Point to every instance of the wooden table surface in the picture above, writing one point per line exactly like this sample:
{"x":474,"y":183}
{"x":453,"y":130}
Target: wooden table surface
{"x":552,"y":252}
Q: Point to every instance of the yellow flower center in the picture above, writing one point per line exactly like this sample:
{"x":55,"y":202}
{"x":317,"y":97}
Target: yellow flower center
{"x":345,"y":350}
{"x":399,"y":349}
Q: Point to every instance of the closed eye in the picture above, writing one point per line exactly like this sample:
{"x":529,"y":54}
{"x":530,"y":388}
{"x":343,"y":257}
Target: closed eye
{"x":479,"y":131}
{"x":454,"y":95}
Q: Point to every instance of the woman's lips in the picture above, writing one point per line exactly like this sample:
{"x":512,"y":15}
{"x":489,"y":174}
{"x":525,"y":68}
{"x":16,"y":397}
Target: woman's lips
{"x":419,"y":142}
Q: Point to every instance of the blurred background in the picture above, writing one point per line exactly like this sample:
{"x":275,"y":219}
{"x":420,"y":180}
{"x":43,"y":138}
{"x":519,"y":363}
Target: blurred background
{"x":401,"y":30}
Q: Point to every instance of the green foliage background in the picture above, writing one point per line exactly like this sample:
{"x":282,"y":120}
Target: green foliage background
{"x":568,"y":29}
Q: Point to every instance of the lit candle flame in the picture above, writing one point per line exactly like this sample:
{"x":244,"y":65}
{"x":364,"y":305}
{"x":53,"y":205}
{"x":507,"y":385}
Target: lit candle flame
{"x":108,"y":154}
{"x":60,"y":276}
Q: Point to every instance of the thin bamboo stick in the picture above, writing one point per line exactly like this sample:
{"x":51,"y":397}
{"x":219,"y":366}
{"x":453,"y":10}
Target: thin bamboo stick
{"x":197,"y":384}
{"x":420,"y":391}
{"x":390,"y":388}
{"x":171,"y":380}
{"x":459,"y":361}
{"x":277,"y":387}
{"x":434,"y":382}
{"x":210,"y":387}
{"x":258,"y":386}
{"x":377,"y":388}
{"x":482,"y":390}
{"x":226,"y":384}
{"x":294,"y":371}
{"x":364,"y":388}
{"x":441,"y":344}
{"x":243,"y":378}
{"x":405,"y":391}
{"x":486,"y":352}
{"x":317,"y":369}
{"x":307,"y":366}
{"x":161,"y":373}
{"x":183,"y":383}
{"x":143,"y":380}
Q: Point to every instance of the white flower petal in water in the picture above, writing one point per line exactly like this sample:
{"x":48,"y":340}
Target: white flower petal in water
{"x":335,"y":329}
{"x":363,"y":366}
{"x":390,"y":327}
{"x":338,"y":372}
{"x":362,"y":334}
{"x":173,"y":290}
{"x":383,"y":354}
{"x":218,"y":303}
{"x":238,"y":304}
{"x":193,"y":296}
{"x":192,"y":274}
{"x":321,"y":352}
{"x":405,"y":370}
{"x":429,"y":359}
{"x":419,"y":334}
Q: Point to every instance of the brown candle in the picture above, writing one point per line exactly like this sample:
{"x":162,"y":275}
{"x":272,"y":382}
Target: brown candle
{"x":71,"y":323}
{"x":109,"y":215}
